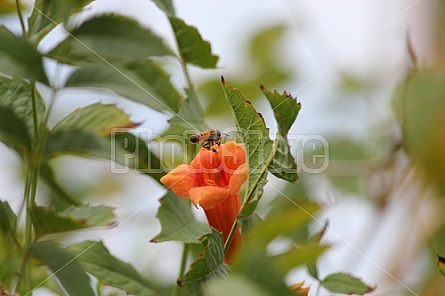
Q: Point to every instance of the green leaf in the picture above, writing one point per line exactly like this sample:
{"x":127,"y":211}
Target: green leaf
{"x":304,"y":254}
{"x":7,"y":7}
{"x":283,"y":165}
{"x":441,"y":264}
{"x":132,"y":152}
{"x":8,"y":219}
{"x":207,"y":267}
{"x":109,"y":38}
{"x":315,"y":239}
{"x":95,"y":258}
{"x":166,"y":6}
{"x":420,"y":105}
{"x":48,"y":220}
{"x":260,"y":268}
{"x":77,"y":142}
{"x":120,"y":147}
{"x":19,"y":58}
{"x":236,"y":284}
{"x":192,"y":48}
{"x":177,"y":221}
{"x":255,"y":136}
{"x":283,"y":223}
{"x":13,"y":132}
{"x":60,"y":197}
{"x":47,"y":14}
{"x":16,"y":95}
{"x":97,"y":118}
{"x":190,"y":115}
{"x":285,"y":109}
{"x":142,"y":82}
{"x":346,"y":284}
{"x":65,"y":267}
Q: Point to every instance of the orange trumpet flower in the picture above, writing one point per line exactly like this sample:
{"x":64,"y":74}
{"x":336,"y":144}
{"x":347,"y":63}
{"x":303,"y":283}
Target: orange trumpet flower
{"x":213,"y":181}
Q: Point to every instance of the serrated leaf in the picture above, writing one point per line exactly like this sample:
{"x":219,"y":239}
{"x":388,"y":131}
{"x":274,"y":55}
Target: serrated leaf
{"x":16,"y":95}
{"x":13,"y":132}
{"x":283,"y":165}
{"x":97,"y":260}
{"x":19,"y":58}
{"x":192,"y":48}
{"x":177,"y":221}
{"x":97,"y":118}
{"x":47,"y":14}
{"x":49,"y":220}
{"x":346,"y":284}
{"x":65,"y":267}
{"x":285,"y":109}
{"x":441,"y":264}
{"x":8,"y":219}
{"x":207,"y":267}
{"x":109,"y":37}
{"x":255,"y":136}
{"x":142,"y":82}
{"x":166,"y":6}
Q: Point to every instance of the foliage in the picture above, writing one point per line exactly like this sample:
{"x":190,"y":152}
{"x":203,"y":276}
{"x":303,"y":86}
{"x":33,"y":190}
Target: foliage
{"x":115,"y":54}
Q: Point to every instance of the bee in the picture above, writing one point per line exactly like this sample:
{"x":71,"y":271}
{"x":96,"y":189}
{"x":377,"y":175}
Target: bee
{"x":211,"y":138}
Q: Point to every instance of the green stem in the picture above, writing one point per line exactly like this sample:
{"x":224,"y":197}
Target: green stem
{"x":35,"y":118}
{"x":230,"y":236}
{"x":32,"y":178}
{"x":28,"y":232}
{"x":177,"y":290}
{"x":19,"y":13}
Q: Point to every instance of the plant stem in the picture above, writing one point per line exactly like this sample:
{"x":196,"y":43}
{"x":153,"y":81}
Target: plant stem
{"x":32,"y":178}
{"x":28,"y":232}
{"x":230,"y":236}
{"x":177,"y":290}
{"x":35,"y":119}
{"x":19,"y":13}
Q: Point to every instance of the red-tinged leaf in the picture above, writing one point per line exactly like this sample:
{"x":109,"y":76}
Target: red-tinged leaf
{"x":346,"y":284}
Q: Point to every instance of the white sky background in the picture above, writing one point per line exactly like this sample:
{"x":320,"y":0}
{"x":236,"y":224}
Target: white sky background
{"x":325,"y":37}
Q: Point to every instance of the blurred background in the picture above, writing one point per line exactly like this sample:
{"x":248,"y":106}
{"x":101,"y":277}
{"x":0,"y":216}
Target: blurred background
{"x":346,"y":61}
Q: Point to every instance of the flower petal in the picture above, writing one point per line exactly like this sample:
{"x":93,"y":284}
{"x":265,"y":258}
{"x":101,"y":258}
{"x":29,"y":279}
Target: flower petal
{"x":238,"y":179}
{"x":208,"y":196}
{"x":179,"y":180}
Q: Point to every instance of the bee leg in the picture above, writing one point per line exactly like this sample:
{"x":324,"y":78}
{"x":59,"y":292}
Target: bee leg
{"x":207,"y":145}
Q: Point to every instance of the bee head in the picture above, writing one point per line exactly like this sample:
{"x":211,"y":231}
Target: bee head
{"x":194,"y":139}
